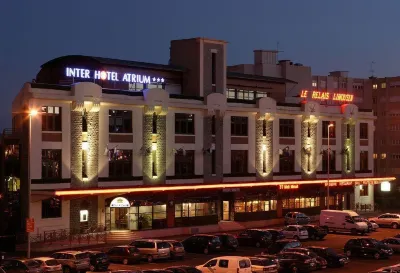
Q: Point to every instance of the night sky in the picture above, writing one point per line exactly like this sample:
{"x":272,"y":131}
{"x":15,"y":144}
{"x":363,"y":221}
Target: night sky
{"x":327,"y":35}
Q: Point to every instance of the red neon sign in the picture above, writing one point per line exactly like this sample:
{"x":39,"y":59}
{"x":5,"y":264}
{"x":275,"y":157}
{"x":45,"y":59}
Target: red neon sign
{"x":288,"y":187}
{"x":318,"y":95}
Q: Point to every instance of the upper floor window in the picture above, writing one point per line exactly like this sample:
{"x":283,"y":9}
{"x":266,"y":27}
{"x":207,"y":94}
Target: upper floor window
{"x":231,"y":93}
{"x":120,"y":163}
{"x":314,"y":83}
{"x":331,"y":162}
{"x":322,"y":84}
{"x":51,"y":118}
{"x":184,"y":124}
{"x":120,"y":121}
{"x":328,"y":130}
{"x":363,"y":130}
{"x":262,"y":94}
{"x":363,"y":160}
{"x":51,"y":164}
{"x":239,"y":126}
{"x":286,"y":161}
{"x":286,"y":128}
{"x":383,"y":85}
{"x":184,"y":163}
{"x":245,"y":95}
{"x":239,"y":162}
{"x":51,"y":208}
{"x":374,"y":86}
{"x":155,"y":85}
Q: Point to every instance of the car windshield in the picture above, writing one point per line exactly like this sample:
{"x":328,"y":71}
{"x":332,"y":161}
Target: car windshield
{"x":161,"y":245}
{"x":215,"y":240}
{"x":31,"y":263}
{"x":302,"y":229}
{"x":52,"y":262}
{"x":301,"y":215}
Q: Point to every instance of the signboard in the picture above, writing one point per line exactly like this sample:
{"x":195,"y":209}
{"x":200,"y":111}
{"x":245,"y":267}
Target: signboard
{"x":337,"y":184}
{"x":120,"y":202}
{"x":288,"y":187}
{"x":30,"y":225}
{"x":113,"y":76}
{"x":385,"y":186}
{"x":318,"y":95}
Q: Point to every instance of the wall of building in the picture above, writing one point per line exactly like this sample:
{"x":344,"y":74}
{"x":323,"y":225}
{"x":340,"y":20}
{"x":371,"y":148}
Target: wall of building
{"x":49,"y":224}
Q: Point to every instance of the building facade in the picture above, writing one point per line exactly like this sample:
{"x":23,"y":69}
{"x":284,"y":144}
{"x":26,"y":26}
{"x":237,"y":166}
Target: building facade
{"x":135,"y":146}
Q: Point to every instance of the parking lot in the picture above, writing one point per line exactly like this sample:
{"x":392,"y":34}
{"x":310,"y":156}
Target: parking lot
{"x":336,"y":241}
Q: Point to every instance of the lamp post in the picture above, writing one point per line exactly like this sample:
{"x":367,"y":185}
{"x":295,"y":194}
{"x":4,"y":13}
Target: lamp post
{"x":32,"y":113}
{"x":329,"y":163}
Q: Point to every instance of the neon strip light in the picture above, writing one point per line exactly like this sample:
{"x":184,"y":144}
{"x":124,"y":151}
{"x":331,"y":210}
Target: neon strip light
{"x":317,"y":95}
{"x":212,"y":186}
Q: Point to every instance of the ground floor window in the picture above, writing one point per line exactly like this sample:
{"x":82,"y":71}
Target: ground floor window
{"x":300,"y":202}
{"x":51,"y":208}
{"x":254,"y":205}
{"x":195,"y":209}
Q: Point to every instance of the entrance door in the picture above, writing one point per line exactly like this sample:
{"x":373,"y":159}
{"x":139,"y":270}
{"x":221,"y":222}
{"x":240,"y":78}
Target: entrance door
{"x":121,"y":218}
{"x":225,"y":211}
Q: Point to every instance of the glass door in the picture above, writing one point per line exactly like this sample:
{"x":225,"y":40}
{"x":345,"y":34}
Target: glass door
{"x":225,"y":211}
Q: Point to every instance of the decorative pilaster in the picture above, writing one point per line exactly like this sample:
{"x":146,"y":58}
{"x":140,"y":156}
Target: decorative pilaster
{"x":147,"y":145}
{"x":264,"y":147}
{"x":348,"y":148}
{"x":161,"y":152}
{"x":76,"y":144}
{"x":93,"y":145}
{"x":309,"y":147}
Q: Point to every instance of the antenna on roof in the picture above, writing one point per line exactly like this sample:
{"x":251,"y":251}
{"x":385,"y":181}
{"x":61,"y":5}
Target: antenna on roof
{"x":277,"y":50}
{"x":371,"y":68}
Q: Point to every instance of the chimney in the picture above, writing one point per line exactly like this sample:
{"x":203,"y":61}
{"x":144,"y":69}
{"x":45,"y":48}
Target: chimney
{"x":265,"y":57}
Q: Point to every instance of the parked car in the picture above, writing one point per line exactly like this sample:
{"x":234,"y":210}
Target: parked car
{"x":296,"y":218}
{"x":176,"y":249}
{"x":387,"y":220}
{"x":279,"y":245}
{"x":342,"y":221}
{"x":151,"y":250}
{"x":315,"y":232}
{"x":183,"y":269}
{"x":330,"y":255}
{"x":124,"y":254}
{"x":21,"y":266}
{"x":371,"y":225}
{"x":99,"y":261}
{"x":264,"y":265}
{"x":72,"y":260}
{"x":49,"y":265}
{"x":367,"y":247}
{"x":156,"y":271}
{"x":228,"y":241}
{"x":296,"y":262}
{"x":254,"y":237}
{"x":393,"y":243}
{"x":321,"y":262}
{"x":296,"y":232}
{"x":387,"y":269}
{"x":202,"y":243}
{"x":276,"y":234}
{"x":226,"y":264}
{"x":2,"y":270}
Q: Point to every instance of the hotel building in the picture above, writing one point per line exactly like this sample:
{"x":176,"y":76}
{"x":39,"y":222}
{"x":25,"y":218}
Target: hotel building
{"x":135,"y":146}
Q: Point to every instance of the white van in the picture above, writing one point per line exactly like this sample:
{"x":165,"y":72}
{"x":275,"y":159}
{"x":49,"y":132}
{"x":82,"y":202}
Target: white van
{"x":342,"y":221}
{"x":226,"y":264}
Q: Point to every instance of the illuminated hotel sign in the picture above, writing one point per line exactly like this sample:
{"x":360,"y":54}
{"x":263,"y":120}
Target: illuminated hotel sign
{"x":317,"y":95}
{"x":111,"y":76}
{"x":288,"y":187}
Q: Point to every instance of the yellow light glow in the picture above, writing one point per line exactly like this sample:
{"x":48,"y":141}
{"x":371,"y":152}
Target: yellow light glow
{"x":33,"y":112}
{"x":264,"y":147}
{"x":85,"y":145}
{"x":154,"y":146}
{"x":214,"y":186}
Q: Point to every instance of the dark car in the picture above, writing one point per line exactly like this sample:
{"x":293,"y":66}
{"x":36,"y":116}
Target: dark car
{"x":321,"y":262}
{"x":228,"y":241}
{"x":296,"y":262}
{"x":330,"y":255}
{"x":280,"y":245}
{"x":315,"y":232}
{"x":156,"y":271}
{"x":366,"y":247}
{"x":255,"y":237}
{"x":21,"y":266}
{"x":124,"y":254}
{"x":276,"y":234}
{"x":183,"y":269}
{"x":98,"y":261}
{"x":202,"y":243}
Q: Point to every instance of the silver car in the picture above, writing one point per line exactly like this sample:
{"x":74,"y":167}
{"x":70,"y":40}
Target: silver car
{"x":296,"y":218}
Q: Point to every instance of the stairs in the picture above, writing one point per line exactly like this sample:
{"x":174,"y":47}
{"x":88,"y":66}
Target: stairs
{"x":121,"y":236}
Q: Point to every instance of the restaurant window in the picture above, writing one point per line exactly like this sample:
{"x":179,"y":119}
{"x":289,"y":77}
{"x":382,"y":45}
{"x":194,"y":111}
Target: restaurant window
{"x":184,"y":163}
{"x":332,"y":161}
{"x":286,"y":128}
{"x":325,"y":128}
{"x":239,"y":162}
{"x":286,"y":161}
{"x":363,"y":130}
{"x":254,"y":205}
{"x":300,"y":202}
{"x":159,"y":211}
{"x":195,"y":209}
{"x":51,"y":164}
{"x":51,"y":208}
{"x":120,"y":163}
{"x":239,"y":126}
{"x":120,"y":121}
{"x":51,"y":118}
{"x":364,"y":190}
{"x":363,"y":160}
{"x":184,"y":124}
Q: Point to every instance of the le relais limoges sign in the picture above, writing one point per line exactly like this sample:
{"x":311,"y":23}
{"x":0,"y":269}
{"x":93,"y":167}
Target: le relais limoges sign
{"x":111,"y":76}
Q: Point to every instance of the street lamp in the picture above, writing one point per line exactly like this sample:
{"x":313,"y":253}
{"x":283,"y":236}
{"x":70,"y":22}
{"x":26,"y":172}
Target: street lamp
{"x":331,"y":125}
{"x":32,"y":113}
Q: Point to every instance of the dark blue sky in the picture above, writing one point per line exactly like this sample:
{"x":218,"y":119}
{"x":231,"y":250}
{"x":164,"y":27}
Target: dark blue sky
{"x":327,"y":35}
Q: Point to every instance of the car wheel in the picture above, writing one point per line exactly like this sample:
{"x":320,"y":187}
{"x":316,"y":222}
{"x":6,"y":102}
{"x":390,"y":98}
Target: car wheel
{"x":377,"y":256}
{"x":149,"y":258}
{"x":125,"y":261}
{"x":206,"y":251}
{"x":258,"y":244}
{"x":395,"y":225}
{"x":92,"y":268}
{"x":348,"y":253}
{"x":66,"y":269}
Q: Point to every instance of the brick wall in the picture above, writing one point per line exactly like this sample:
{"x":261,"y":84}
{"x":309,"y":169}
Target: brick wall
{"x":76,"y":149}
{"x":161,"y":147}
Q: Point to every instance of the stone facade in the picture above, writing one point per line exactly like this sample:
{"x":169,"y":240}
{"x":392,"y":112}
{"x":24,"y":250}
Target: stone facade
{"x":92,"y":162}
{"x":264,"y":158}
{"x":76,"y":148}
{"x":89,"y":203}
{"x":161,"y":152}
{"x":309,"y":149}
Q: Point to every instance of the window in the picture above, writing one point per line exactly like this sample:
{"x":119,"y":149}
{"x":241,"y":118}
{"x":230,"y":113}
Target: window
{"x":245,"y":95}
{"x":286,"y":128}
{"x":239,"y":162}
{"x":120,"y":121}
{"x":213,"y":162}
{"x":374,"y":86}
{"x":84,"y":123}
{"x":325,"y":128}
{"x":195,"y":209}
{"x":51,"y":208}
{"x":154,"y":123}
{"x":184,"y":163}
{"x":286,"y":161}
{"x":363,"y":160}
{"x":51,"y":164}
{"x":213,"y":124}
{"x":332,"y":161}
{"x":314,"y":83}
{"x":120,"y":163}
{"x":51,"y":118}
{"x":323,"y":84}
{"x":396,"y":156}
{"x":223,"y":263}
{"x":160,"y":211}
{"x":383,"y":85}
{"x":364,"y":190}
{"x":184,"y":124}
{"x":363,"y":130}
{"x":231,"y":93}
{"x":254,"y":205}
{"x":300,"y":202}
{"x":239,"y":126}
{"x":262,"y":94}
{"x":213,"y":67}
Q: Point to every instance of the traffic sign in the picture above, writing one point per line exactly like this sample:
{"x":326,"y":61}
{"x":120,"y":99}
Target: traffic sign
{"x":30,"y":225}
